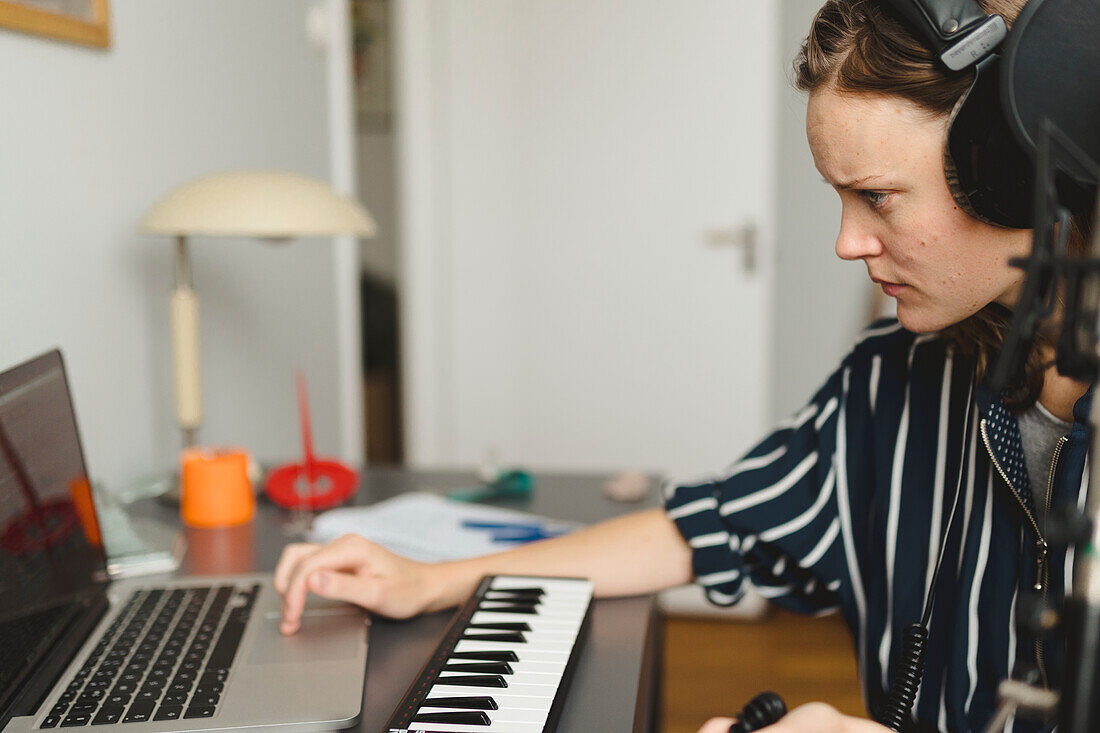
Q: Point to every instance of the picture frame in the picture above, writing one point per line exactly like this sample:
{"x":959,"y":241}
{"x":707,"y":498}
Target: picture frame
{"x":85,"y":22}
{"x":370,"y":20}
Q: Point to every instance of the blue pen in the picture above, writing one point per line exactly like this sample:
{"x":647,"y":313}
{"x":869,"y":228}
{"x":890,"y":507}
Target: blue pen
{"x":518,"y":526}
{"x":519,"y":532}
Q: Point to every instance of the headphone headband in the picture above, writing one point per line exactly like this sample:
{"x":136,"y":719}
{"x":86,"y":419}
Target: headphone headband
{"x":959,"y":32}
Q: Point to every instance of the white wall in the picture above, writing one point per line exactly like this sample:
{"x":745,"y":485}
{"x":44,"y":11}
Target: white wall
{"x":819,"y":302}
{"x":88,"y":140}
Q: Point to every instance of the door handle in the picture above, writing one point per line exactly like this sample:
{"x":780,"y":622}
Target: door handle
{"x":743,"y":236}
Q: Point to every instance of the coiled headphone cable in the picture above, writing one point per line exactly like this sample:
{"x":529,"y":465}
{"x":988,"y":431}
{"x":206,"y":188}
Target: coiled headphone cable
{"x":910,"y":664}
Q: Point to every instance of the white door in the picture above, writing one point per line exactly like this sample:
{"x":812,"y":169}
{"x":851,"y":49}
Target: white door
{"x":565,"y":168}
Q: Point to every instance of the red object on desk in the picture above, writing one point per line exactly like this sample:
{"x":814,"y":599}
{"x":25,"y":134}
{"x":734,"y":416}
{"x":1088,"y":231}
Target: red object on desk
{"x":316,"y":483}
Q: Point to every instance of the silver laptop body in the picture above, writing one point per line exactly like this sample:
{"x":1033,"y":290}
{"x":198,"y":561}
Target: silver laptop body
{"x":160,"y":653}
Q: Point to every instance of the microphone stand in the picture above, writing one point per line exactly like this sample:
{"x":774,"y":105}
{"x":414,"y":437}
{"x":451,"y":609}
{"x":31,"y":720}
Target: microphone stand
{"x":1078,"y":356}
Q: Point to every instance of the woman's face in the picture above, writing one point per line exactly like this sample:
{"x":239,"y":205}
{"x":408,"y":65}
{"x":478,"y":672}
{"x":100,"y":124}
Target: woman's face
{"x":884,"y":156}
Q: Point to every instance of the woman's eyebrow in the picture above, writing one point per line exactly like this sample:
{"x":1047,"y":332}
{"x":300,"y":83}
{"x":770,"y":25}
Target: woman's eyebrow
{"x":855,"y":183}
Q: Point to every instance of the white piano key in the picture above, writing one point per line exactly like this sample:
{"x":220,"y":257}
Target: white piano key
{"x":563,"y":638}
{"x":560,"y":614}
{"x":550,"y":585}
{"x":505,"y":699}
{"x":506,"y":714}
{"x":546,"y":600}
{"x":496,"y":727}
{"x":535,"y":622}
{"x":466,"y":645}
{"x":526,"y":655}
{"x":516,"y":678}
{"x":442,"y":689}
{"x":557,"y":668}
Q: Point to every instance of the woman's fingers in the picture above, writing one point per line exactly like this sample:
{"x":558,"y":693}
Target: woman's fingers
{"x":345,"y":587}
{"x":717,"y":725}
{"x":347,"y":552}
{"x":287,"y":560}
{"x":817,"y":717}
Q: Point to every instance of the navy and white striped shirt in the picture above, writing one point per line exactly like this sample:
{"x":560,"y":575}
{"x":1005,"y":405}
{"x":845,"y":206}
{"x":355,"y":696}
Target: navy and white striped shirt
{"x":845,"y":507}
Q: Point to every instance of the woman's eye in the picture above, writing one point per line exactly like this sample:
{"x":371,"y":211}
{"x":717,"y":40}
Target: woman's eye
{"x":877,"y":199}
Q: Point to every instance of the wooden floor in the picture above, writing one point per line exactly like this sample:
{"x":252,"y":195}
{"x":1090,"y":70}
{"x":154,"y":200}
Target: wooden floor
{"x":713,"y":668}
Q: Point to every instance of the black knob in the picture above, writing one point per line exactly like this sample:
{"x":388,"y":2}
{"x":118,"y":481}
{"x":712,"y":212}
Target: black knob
{"x":761,"y":711}
{"x":1067,"y":525}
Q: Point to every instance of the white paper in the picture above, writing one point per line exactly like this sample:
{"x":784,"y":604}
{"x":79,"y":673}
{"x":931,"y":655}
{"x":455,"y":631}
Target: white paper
{"x":426,"y":527}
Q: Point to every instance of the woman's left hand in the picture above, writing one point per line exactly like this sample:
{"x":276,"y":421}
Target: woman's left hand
{"x":814,"y":717}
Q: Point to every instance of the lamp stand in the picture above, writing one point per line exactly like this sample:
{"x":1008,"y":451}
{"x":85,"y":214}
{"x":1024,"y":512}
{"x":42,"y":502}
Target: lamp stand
{"x":184,"y":304}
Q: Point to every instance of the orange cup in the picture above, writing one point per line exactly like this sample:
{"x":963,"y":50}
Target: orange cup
{"x":214,"y":488}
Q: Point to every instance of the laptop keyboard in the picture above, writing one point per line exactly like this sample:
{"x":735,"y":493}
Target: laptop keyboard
{"x":166,"y":656}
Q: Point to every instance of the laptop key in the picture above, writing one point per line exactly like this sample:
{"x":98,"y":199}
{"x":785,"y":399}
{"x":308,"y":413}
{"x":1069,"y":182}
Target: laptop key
{"x":208,"y":699}
{"x":50,"y":721}
{"x":175,"y":698}
{"x":199,"y":711}
{"x":86,"y":706}
{"x":108,"y":714}
{"x":148,"y":693}
{"x":75,"y":719}
{"x":169,"y":712}
{"x":60,"y":708}
{"x":139,"y":712}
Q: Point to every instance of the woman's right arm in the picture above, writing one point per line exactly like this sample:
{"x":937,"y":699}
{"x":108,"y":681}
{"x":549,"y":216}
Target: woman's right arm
{"x":630,"y":555}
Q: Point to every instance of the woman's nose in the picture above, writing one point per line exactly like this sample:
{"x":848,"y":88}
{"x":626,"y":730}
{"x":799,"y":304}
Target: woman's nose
{"x":855,"y":240}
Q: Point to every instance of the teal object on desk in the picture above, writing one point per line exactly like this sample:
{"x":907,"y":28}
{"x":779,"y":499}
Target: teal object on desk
{"x":507,"y":485}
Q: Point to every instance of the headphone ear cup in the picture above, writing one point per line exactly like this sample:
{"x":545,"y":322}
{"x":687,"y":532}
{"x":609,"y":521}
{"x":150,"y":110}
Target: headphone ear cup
{"x":988,"y":172}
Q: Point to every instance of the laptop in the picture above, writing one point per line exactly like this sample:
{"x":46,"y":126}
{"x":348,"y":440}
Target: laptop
{"x":172,"y":653}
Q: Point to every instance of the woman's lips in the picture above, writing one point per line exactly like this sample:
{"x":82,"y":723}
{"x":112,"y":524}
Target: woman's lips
{"x":891,"y":289}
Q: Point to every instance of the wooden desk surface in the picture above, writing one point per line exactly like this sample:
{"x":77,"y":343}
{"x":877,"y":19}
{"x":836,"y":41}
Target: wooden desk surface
{"x":615,"y":684}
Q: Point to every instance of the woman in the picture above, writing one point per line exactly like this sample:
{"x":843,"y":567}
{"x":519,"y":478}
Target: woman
{"x":903,"y":457}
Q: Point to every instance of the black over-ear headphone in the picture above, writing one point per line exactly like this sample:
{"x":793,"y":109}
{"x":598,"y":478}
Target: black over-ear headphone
{"x":1048,"y":66}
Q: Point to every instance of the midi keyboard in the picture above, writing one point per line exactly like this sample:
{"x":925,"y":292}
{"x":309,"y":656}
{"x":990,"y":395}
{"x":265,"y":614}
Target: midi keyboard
{"x":504,"y":663}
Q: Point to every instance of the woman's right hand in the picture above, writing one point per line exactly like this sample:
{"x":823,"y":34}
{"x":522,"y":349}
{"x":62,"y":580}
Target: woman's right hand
{"x":356,"y":570}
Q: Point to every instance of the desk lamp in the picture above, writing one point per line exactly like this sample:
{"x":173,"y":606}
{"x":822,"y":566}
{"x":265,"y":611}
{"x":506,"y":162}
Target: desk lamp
{"x":273,"y":205}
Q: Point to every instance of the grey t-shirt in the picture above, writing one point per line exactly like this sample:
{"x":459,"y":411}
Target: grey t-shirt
{"x":1040,"y":432}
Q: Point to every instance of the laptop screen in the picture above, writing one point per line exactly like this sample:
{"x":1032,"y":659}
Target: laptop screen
{"x":50,"y":545}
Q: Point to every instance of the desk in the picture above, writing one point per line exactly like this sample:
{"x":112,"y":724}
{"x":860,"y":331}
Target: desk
{"x":615,"y":685}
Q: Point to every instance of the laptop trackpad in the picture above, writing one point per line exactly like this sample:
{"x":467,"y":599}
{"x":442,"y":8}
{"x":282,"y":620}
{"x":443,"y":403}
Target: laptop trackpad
{"x":323,"y":636}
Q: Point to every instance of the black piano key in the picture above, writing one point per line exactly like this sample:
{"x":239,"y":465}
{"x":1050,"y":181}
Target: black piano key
{"x":514,"y":637}
{"x":498,"y":656}
{"x":480,"y":667}
{"x":473,"y":680}
{"x":458,"y":718}
{"x":502,"y":626}
{"x":467,"y":703}
{"x":517,"y":591}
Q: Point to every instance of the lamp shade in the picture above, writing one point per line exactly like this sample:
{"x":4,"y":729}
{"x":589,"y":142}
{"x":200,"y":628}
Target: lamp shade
{"x":257,"y":204}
